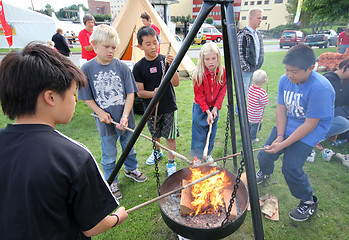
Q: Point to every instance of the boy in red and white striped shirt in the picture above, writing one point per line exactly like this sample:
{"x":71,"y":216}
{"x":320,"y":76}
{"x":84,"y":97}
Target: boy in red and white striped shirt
{"x":257,"y":99}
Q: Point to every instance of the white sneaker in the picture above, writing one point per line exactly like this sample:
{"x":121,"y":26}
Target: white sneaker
{"x":311,"y":157}
{"x":343,"y":158}
{"x":114,"y":187}
{"x":211,"y":160}
{"x":327,"y":154}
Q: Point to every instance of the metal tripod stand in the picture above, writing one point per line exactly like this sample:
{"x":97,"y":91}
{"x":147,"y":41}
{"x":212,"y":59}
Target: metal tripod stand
{"x":232,"y":61}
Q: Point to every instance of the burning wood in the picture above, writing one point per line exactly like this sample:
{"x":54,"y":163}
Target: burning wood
{"x":186,"y":199}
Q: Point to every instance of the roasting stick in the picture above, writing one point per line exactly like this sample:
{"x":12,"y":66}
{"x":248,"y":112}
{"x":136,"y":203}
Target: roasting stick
{"x":156,"y":142}
{"x":173,"y":191}
{"x":204,"y":156}
{"x":229,"y":156}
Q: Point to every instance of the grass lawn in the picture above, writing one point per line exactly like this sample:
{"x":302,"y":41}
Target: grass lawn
{"x":328,"y":178}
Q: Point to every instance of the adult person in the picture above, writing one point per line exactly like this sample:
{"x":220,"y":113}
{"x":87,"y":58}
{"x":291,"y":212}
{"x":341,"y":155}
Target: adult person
{"x":60,"y":43}
{"x":251,"y":47}
{"x":343,"y":41}
{"x":87,"y":51}
{"x":146,"y":20}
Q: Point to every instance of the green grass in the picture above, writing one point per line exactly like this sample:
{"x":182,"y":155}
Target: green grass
{"x":329,"y":179}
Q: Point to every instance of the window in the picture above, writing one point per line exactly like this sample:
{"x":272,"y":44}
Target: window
{"x":252,"y":3}
{"x":264,"y":18}
{"x":266,"y":2}
{"x":246,"y":3}
{"x":259,"y":2}
{"x":243,"y":18}
{"x":278,"y":1}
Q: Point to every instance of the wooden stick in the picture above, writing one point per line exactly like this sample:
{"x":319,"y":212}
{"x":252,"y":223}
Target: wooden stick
{"x":156,"y":142}
{"x":229,"y":156}
{"x":204,"y":156}
{"x":171,"y":192}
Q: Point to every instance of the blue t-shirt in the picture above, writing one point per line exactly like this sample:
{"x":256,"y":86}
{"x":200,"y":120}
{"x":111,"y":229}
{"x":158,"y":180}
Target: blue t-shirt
{"x":312,"y":99}
{"x":108,"y":85}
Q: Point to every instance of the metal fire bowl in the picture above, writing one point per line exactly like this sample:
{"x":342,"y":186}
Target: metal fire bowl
{"x":174,"y":181}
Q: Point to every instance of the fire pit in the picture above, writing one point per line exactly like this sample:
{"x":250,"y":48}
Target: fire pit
{"x":202,"y":226}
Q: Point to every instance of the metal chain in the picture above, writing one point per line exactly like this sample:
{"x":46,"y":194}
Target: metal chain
{"x":156,"y":165}
{"x":236,"y":186}
{"x":226,"y":138}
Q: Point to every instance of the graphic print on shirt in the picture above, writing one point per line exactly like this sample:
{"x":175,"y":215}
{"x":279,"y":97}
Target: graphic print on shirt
{"x":292,"y":103}
{"x":109,"y":89}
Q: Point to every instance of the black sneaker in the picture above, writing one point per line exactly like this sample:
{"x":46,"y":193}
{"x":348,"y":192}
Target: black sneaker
{"x":260,"y":177}
{"x":304,"y":210}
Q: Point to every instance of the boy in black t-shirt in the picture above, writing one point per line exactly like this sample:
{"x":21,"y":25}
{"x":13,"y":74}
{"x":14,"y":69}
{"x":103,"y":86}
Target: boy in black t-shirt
{"x":50,"y":185}
{"x":148,"y":73}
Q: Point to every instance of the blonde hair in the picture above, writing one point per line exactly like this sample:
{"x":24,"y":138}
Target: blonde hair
{"x":50,"y":43}
{"x":259,"y":77}
{"x":199,"y":72}
{"x":252,"y":12}
{"x":105,"y":33}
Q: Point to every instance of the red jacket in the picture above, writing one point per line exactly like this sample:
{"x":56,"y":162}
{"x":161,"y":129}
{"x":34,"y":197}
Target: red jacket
{"x":210,"y":93}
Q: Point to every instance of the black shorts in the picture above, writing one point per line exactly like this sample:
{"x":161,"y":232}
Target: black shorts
{"x":166,"y":125}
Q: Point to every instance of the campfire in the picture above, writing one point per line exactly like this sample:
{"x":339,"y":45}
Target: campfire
{"x":206,"y":197}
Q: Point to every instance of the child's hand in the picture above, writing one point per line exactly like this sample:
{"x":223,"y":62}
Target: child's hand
{"x":122,"y":214}
{"x":169,"y":59}
{"x":123,"y":123}
{"x":210,"y":118}
{"x":214,"y":112}
{"x":274,"y":147}
{"x":105,"y":117}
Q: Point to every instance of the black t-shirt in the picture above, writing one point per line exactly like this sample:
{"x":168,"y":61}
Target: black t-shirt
{"x":342,"y":92}
{"x":150,"y":73}
{"x":50,"y":185}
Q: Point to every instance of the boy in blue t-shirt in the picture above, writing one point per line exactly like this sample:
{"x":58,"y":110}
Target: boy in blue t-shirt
{"x":303,"y":116}
{"x":110,"y":94}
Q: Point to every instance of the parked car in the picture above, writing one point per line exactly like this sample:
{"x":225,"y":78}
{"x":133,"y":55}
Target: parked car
{"x":324,"y":38}
{"x":291,"y":38}
{"x":211,"y":33}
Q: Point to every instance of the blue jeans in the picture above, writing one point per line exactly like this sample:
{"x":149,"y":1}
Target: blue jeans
{"x":254,"y":129}
{"x":294,"y":158}
{"x":247,"y":80}
{"x":200,"y":130}
{"x":109,"y":153}
{"x":339,"y":125}
{"x":343,"y":48}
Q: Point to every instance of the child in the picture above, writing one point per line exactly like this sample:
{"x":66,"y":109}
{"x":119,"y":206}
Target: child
{"x":303,"y":116}
{"x":110,"y":93}
{"x":148,"y":73}
{"x":209,"y":89}
{"x":51,"y":186}
{"x":257,"y":99}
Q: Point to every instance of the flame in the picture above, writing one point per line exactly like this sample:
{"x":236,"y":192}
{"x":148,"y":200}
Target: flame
{"x":207,"y":194}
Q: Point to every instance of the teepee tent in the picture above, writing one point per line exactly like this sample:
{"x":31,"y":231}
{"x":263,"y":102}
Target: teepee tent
{"x":127,"y":24}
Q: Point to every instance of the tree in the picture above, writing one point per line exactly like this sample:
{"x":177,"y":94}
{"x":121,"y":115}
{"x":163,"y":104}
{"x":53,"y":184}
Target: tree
{"x":209,"y":20}
{"x":327,"y":10}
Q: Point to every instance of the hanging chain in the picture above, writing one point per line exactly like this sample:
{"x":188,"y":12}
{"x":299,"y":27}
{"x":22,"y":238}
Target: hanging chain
{"x":156,"y":162}
{"x":226,"y":138}
{"x":236,"y":186}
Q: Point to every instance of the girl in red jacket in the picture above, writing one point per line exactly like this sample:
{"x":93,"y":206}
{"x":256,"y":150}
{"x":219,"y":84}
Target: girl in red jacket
{"x":209,"y":90}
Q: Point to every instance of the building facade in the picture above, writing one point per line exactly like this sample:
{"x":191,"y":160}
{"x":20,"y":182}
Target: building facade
{"x":97,"y":7}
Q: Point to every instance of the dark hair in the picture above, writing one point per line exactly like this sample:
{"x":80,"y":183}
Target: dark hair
{"x":145,"y":31}
{"x":27,"y":73}
{"x":87,"y":17}
{"x":300,"y":56}
{"x":145,"y":15}
{"x":344,"y":64}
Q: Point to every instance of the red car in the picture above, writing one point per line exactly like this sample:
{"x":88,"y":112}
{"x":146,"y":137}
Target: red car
{"x":291,"y":38}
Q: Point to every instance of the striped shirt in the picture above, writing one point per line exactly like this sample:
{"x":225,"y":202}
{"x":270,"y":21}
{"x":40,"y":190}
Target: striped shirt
{"x":257,"y":99}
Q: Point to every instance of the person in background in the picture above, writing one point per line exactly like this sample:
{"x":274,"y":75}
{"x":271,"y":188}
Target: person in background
{"x":304,"y":111}
{"x":146,"y":20}
{"x":257,"y":100}
{"x":87,"y":51}
{"x":60,"y":43}
{"x":51,"y":186}
{"x":110,"y":94}
{"x":148,"y":74}
{"x":51,"y":44}
{"x":251,"y":47}
{"x":209,"y":91}
{"x":343,"y":41}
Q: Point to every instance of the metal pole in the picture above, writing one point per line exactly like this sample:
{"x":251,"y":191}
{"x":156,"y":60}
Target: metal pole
{"x":205,"y":10}
{"x":228,"y":72}
{"x":244,"y":127}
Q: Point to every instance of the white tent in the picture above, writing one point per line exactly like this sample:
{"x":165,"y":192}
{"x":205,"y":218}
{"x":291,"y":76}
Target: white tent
{"x":27,"y":26}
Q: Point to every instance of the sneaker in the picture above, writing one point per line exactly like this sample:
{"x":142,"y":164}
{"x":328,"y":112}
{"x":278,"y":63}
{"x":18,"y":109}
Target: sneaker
{"x":260,"y":177}
{"x":327,"y":154}
{"x":151,"y":158}
{"x":304,"y":210}
{"x":343,"y":158}
{"x":256,"y":140}
{"x":115,"y":190}
{"x":311,"y":157}
{"x":211,"y":160}
{"x":171,"y":168}
{"x":136,"y":175}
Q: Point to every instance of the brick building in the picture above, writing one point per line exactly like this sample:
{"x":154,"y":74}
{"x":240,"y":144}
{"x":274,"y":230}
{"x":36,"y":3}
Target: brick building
{"x":97,"y":7}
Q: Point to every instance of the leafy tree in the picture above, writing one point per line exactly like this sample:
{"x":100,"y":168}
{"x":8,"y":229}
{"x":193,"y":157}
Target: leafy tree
{"x":209,"y":20}
{"x":102,"y":17}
